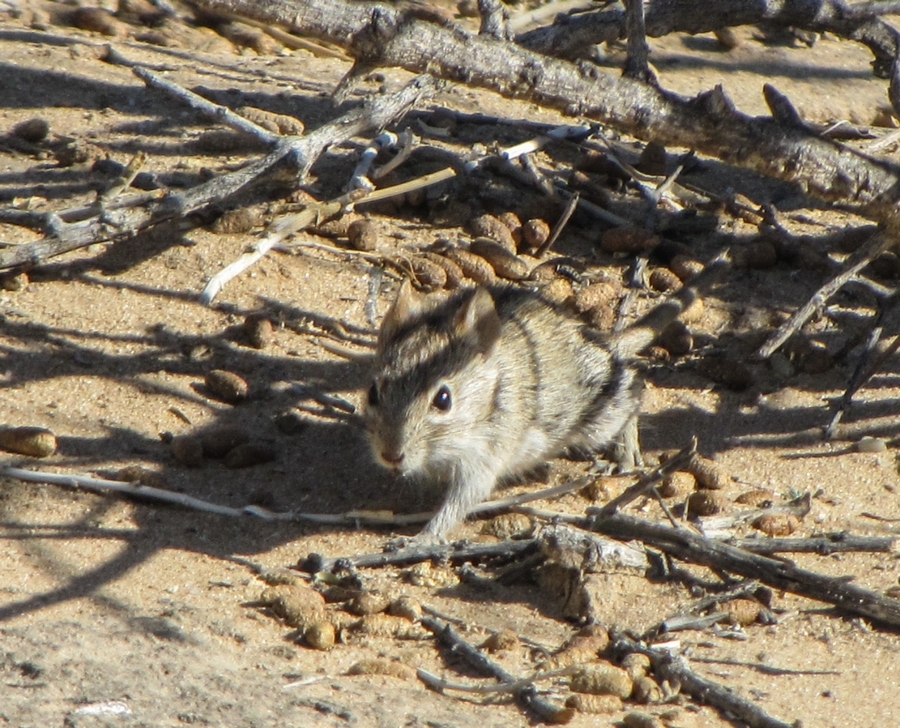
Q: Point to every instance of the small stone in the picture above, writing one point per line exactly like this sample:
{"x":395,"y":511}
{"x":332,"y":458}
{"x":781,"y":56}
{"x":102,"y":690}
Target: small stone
{"x":35,"y":442}
{"x":31,"y":130}
{"x":217,"y":443}
{"x":871,"y":444}
{"x":188,"y":450}
{"x":258,"y":330}
{"x":727,"y":38}
{"x":508,"y":525}
{"x":249,"y":454}
{"x":628,"y":240}
{"x":362,"y":234}
{"x":320,"y":635}
{"x":227,"y":386}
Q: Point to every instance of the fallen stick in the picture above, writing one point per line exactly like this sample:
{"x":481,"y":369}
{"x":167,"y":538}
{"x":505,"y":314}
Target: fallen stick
{"x":526,"y":695}
{"x":676,"y":670}
{"x":695,"y":549}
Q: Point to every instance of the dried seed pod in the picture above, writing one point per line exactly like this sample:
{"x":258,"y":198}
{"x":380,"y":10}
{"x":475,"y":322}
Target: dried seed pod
{"x":646,"y":690}
{"x":429,"y":274}
{"x":276,"y":123}
{"x":337,"y":227}
{"x":96,"y":20}
{"x":594,"y":704}
{"x":706,"y":503}
{"x":383,"y":666}
{"x":602,"y":318}
{"x":732,"y":374}
{"x":505,"y":264}
{"x":709,"y":473}
{"x":595,"y":295}
{"x":628,"y":240}
{"x":551,"y":269}
{"x":250,"y":454}
{"x":663,"y":280}
{"x":509,"y":525}
{"x":685,"y":267}
{"x":386,"y":625}
{"x":362,"y":234}
{"x":602,"y":679}
{"x":677,"y":485}
{"x":297,"y":604}
{"x":777,"y":524}
{"x":741,"y":611}
{"x":227,"y":386}
{"x":759,"y":498}
{"x":188,"y":450}
{"x":488,"y":226}
{"x":36,"y":442}
{"x":676,"y":339}
{"x":652,"y":160}
{"x":636,"y":664}
{"x":31,"y":130}
{"x":368,"y":602}
{"x":641,"y":720}
{"x":758,"y":255}
{"x":534,"y":234}
{"x":514,"y":224}
{"x":258,"y":330}
{"x":453,"y":275}
{"x":558,"y":291}
{"x":474,"y":267}
{"x":694,"y":312}
{"x":428,"y":575}
{"x":407,"y":607}
{"x":606,"y":488}
{"x":501,"y":641}
{"x":320,"y":635}
{"x":13,"y":280}
{"x":727,"y":38}
{"x":235,"y":222}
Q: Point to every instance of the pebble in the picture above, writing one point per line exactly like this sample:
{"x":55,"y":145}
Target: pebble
{"x":258,"y":330}
{"x":871,"y":444}
{"x":31,"y":130}
{"x":362,"y":234}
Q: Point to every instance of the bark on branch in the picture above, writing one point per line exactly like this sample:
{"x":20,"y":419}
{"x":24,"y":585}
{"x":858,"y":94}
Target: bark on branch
{"x":708,"y":123}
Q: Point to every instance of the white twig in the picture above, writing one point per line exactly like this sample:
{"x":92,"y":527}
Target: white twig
{"x":360,"y":179}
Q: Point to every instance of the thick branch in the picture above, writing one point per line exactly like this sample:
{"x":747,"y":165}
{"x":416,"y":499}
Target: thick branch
{"x":707,"y":124}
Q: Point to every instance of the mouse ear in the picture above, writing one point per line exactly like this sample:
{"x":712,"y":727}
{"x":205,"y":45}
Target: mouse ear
{"x":478,"y":317}
{"x":404,"y":307}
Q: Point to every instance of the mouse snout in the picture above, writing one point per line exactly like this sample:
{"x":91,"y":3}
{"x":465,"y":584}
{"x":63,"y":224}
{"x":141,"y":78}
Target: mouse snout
{"x":392,"y":458}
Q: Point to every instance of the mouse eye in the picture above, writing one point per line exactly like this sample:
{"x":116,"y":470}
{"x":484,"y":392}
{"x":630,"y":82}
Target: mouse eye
{"x":442,"y":399}
{"x":373,"y":395}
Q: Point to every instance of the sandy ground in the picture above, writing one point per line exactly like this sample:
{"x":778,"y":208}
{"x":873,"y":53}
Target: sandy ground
{"x":149,"y":615}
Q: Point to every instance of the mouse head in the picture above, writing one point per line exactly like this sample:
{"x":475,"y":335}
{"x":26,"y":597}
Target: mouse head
{"x":434,"y":379}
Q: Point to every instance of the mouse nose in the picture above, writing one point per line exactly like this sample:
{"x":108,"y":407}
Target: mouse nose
{"x":392,"y":458}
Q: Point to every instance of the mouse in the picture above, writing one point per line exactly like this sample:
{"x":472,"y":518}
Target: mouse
{"x":484,"y":385}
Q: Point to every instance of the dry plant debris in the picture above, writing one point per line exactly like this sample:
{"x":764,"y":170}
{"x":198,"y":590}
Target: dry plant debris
{"x":252,"y":207}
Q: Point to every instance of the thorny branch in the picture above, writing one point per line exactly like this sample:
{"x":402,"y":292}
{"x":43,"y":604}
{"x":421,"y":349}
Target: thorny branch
{"x":708,"y":123}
